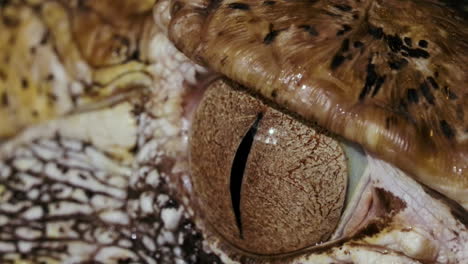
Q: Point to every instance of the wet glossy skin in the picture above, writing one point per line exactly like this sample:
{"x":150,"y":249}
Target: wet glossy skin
{"x":108,"y":180}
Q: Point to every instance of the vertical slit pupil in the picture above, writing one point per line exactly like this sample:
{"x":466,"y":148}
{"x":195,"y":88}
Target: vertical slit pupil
{"x":238,"y":168}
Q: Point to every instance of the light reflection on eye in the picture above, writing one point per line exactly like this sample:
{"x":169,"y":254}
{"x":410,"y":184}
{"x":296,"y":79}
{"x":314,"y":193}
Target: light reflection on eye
{"x":265,"y":182}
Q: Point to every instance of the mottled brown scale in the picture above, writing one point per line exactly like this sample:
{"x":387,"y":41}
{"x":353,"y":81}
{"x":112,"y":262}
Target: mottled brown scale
{"x":403,"y":52}
{"x":290,"y":194}
{"x":57,"y":56}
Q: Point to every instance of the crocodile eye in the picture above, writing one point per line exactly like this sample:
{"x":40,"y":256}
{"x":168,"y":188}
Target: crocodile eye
{"x":264,"y":181}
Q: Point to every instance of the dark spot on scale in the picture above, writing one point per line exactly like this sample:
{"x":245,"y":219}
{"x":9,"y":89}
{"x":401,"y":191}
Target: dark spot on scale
{"x":378,"y":85}
{"x":11,"y":21}
{"x":412,"y":96}
{"x":239,"y":6}
{"x":375,"y":32}
{"x":346,"y":28}
{"x":394,"y":42}
{"x":408,"y":41}
{"x":309,"y":29}
{"x":433,"y":82}
{"x":50,"y":77}
{"x":3,"y":76}
{"x":24,"y":83}
{"x":345,"y":45}
{"x":135,"y":55}
{"x":45,"y":38}
{"x":446,"y":129}
{"x":358,"y":44}
{"x":426,"y":92}
{"x":274,"y":93}
{"x":415,"y":53}
{"x":423,"y":43}
{"x":35,"y":113}
{"x":373,"y":83}
{"x":269,"y":3}
{"x":344,"y":8}
{"x":398,"y":64}
{"x":270,"y":37}
{"x":5,"y":100}
{"x":337,"y":60}
{"x":355,"y":16}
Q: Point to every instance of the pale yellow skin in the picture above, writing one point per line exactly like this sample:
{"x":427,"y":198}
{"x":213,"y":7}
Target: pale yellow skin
{"x":114,"y":112}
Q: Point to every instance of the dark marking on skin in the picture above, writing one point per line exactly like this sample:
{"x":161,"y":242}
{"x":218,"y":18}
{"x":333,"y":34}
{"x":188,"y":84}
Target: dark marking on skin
{"x":3,"y":76}
{"x":239,"y":6}
{"x":24,"y":83}
{"x":269,"y":3}
{"x":337,"y":60}
{"x":270,"y":37}
{"x":50,"y":77}
{"x":416,"y":53}
{"x":373,"y":82}
{"x":358,"y":44}
{"x":412,"y":96}
{"x":135,"y":55}
{"x":433,"y":82}
{"x":192,"y":245}
{"x":447,"y":129}
{"x":5,"y":101}
{"x":346,"y":28}
{"x":309,"y":29}
{"x":388,"y":205}
{"x":389,"y":202}
{"x":398,"y":64}
{"x":45,"y":38}
{"x":423,"y":43}
{"x":450,"y":95}
{"x":378,"y":85}
{"x":394,"y":42}
{"x":345,"y":45}
{"x":370,"y":81}
{"x":375,"y":32}
{"x":408,"y":41}
{"x":11,"y":21}
{"x":426,"y":92}
{"x":274,"y":93}
{"x":355,"y":16}
{"x":35,"y":113}
{"x":344,"y":8}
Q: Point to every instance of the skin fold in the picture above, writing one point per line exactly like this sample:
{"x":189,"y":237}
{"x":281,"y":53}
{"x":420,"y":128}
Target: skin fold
{"x":96,"y":110}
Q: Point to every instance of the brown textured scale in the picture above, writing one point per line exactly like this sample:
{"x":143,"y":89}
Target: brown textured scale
{"x":58,"y":57}
{"x":390,"y":75}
